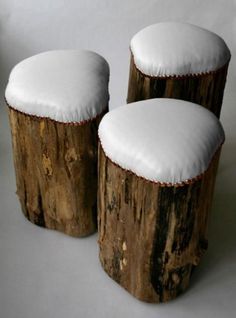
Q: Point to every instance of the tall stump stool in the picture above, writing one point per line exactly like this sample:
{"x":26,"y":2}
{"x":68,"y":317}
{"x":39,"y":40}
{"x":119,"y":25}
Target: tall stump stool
{"x":157,"y":172}
{"x":56,"y":100}
{"x":178,"y":60}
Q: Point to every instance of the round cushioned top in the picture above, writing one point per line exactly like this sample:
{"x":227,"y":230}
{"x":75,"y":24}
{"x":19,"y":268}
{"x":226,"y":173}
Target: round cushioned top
{"x":64,"y":85}
{"x":162,"y":140}
{"x":176,"y":49}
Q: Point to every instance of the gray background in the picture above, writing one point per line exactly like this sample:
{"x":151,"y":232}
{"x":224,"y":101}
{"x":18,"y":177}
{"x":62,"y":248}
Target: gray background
{"x":47,"y":274}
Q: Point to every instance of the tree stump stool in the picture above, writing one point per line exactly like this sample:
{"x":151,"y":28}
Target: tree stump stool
{"x":178,"y":60}
{"x":157,"y":171}
{"x":56,"y":100}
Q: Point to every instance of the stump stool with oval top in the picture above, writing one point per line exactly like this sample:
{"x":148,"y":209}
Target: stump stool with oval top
{"x":56,"y":100}
{"x":178,"y":60}
{"x":157,"y":171}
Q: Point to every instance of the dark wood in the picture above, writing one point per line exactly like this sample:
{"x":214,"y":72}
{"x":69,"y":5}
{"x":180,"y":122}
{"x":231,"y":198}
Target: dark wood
{"x":206,"y":89}
{"x":151,"y":236}
{"x":56,"y":172}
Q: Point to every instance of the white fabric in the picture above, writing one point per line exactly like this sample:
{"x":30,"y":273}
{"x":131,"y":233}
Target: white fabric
{"x":174,"y":48}
{"x":64,"y":85}
{"x":163,"y":140}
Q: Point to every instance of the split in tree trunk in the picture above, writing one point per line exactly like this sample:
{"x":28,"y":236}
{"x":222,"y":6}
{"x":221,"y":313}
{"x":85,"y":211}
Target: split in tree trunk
{"x":56,"y":172}
{"x":205,"y":89}
{"x":151,"y":236}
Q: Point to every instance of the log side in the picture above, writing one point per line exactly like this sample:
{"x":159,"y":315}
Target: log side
{"x":151,"y":236}
{"x":206,"y":90}
{"x":56,"y":172}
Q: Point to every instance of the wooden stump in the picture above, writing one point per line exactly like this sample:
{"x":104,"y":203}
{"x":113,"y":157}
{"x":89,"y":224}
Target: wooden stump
{"x":56,"y":172}
{"x":151,"y":236}
{"x":204,"y":89}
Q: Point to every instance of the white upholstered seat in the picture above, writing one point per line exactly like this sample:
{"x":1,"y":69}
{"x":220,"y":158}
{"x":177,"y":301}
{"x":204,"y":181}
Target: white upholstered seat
{"x":64,"y":85}
{"x":162,"y":140}
{"x":176,"y":49}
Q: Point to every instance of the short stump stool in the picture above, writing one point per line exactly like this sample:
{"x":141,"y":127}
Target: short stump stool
{"x":157,"y":172}
{"x":56,"y":100}
{"x":178,"y":60}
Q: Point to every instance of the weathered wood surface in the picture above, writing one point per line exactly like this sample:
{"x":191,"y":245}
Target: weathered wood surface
{"x":206,"y":90}
{"x":56,"y":172}
{"x":151,"y":236}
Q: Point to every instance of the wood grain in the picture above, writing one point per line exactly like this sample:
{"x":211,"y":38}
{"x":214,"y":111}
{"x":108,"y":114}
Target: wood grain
{"x":56,"y":172}
{"x":152,"y":236}
{"x":206,"y":89}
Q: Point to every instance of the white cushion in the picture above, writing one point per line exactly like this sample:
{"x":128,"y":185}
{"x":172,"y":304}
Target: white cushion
{"x":173,"y":48}
{"x":64,"y":85}
{"x":162,"y":140}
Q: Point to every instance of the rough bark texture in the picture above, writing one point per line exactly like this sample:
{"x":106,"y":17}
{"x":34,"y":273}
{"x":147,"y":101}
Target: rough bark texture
{"x":206,"y":90}
{"x":151,"y":236}
{"x":56,"y":172}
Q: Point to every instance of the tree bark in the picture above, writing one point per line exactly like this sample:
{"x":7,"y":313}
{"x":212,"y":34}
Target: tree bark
{"x":56,"y":172}
{"x":205,"y":89}
{"x":151,"y":236}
